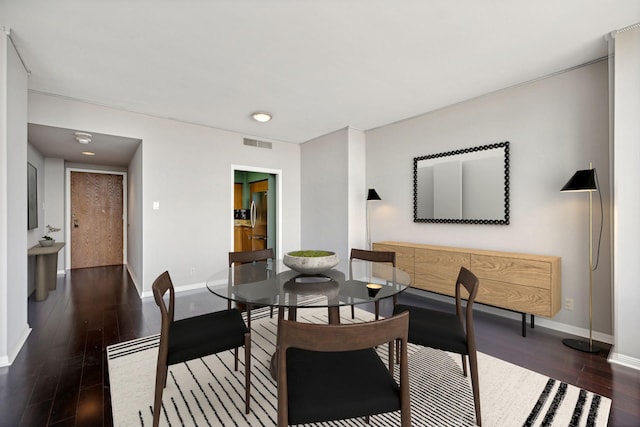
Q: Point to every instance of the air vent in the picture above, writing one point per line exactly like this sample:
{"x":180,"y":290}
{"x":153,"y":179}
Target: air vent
{"x":256,"y":143}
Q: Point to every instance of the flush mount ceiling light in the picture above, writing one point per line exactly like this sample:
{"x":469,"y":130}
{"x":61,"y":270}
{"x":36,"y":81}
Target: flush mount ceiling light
{"x":261,"y":116}
{"x":83,"y":137}
{"x":88,"y":153}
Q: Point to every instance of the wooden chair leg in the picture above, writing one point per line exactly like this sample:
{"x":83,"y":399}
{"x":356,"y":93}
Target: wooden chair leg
{"x":473,"y":365}
{"x":161,"y":380}
{"x":464,"y":364}
{"x":247,"y":371}
{"x":377,"y":309}
{"x":391,"y":350}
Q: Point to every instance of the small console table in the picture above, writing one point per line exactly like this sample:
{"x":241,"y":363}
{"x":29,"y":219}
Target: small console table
{"x":46,"y":268}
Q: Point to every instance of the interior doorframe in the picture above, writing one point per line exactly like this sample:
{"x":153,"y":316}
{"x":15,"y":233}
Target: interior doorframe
{"x":67,"y":210}
{"x":278,"y":175}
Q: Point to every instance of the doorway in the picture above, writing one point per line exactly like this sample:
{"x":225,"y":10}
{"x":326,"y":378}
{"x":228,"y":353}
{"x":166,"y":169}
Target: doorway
{"x":97,"y":216}
{"x":255,"y":209}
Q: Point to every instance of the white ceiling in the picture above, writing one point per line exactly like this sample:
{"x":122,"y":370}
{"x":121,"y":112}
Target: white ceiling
{"x":109,"y":150}
{"x":316,"y":65}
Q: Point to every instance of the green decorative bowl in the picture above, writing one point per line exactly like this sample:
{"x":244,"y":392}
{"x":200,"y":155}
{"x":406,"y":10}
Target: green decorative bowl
{"x":311,"y":262}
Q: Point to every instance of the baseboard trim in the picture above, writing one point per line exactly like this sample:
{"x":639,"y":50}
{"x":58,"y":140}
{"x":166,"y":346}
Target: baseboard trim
{"x":135,"y":281}
{"x":183,"y":288}
{"x":621,"y":359}
{"x":8,"y":359}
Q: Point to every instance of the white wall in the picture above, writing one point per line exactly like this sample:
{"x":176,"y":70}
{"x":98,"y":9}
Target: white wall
{"x":13,"y":216}
{"x":186,"y":169}
{"x":135,"y":228}
{"x":627,"y":196}
{"x":334,"y":192}
{"x":555,"y":126}
{"x":357,"y":189}
{"x":53,"y":201}
{"x":325,"y":190}
{"x":33,"y":236}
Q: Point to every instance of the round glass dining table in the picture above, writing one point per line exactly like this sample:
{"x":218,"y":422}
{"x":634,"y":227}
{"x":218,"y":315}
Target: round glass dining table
{"x":274,"y":284}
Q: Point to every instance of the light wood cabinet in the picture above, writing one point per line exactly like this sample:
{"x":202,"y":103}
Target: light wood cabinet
{"x":237,"y":238}
{"x":520,"y":282}
{"x":259,"y":186}
{"x":237,"y":196}
{"x":242,"y":240}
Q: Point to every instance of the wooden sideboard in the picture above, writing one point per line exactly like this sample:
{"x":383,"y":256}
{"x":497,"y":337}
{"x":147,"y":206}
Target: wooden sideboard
{"x":525,"y":283}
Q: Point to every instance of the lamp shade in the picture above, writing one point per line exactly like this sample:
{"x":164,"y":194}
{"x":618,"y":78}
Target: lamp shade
{"x":373,"y":195}
{"x":583,"y":180}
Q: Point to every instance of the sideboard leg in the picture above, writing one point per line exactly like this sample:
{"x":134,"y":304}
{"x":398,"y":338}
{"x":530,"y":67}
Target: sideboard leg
{"x":532,"y":324}
{"x":524,"y":324}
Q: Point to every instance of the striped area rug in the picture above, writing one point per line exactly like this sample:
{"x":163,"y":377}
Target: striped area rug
{"x":207,"y":392}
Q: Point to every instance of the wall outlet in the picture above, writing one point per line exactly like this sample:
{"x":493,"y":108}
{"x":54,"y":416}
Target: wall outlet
{"x":568,"y":304}
{"x":192,"y":271}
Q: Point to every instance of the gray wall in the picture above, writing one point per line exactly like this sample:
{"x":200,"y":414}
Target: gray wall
{"x":556,"y":126}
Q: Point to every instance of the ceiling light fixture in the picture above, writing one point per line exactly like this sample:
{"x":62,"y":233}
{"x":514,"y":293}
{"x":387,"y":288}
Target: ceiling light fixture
{"x":88,"y":153}
{"x":261,"y":116}
{"x":83,"y":137}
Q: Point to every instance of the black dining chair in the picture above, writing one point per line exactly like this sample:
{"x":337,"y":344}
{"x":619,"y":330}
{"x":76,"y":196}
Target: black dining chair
{"x":451,"y":332}
{"x":373,"y":256}
{"x":333,"y":372}
{"x":195,"y":337}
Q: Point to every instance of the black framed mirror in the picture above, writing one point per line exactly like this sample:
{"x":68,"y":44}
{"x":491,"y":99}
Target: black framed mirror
{"x":467,"y":186}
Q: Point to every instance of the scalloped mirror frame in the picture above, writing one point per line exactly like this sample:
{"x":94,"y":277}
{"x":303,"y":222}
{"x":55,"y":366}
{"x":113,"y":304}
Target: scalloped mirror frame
{"x":504,"y":220}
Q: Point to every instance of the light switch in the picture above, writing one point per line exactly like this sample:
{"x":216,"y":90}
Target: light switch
{"x":156,"y":206}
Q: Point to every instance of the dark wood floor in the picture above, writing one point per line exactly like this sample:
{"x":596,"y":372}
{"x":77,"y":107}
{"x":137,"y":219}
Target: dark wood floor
{"x":60,"y":376}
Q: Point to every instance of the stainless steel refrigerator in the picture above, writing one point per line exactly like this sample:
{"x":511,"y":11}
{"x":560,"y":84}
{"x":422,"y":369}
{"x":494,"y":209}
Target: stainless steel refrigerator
{"x":258,"y":220}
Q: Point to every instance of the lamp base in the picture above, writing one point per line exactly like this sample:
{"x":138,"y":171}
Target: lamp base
{"x":581,"y":345}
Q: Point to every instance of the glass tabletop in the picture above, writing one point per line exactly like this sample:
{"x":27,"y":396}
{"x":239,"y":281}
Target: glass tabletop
{"x":274,"y":284}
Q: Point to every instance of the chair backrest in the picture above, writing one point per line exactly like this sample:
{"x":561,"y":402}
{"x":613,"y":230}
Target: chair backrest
{"x":160,"y":286}
{"x":338,"y":338}
{"x":250,"y":256}
{"x":471,"y":283}
{"x":374,"y":256}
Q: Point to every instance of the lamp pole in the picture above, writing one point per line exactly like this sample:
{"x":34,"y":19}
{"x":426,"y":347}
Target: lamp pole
{"x":590,"y":268}
{"x":585,"y":180}
{"x":368,"y":229}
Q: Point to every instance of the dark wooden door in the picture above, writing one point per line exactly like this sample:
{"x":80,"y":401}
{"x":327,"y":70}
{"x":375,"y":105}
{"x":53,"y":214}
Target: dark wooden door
{"x":96,"y":219}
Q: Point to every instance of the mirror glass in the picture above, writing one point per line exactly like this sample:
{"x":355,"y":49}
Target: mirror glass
{"x":469,"y":186}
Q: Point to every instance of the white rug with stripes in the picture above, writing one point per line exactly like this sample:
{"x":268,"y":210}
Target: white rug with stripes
{"x":208,"y":392}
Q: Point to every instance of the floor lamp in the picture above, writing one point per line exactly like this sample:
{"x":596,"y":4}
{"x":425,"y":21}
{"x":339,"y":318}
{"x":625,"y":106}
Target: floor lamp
{"x":372,"y":195}
{"x":585,"y":180}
